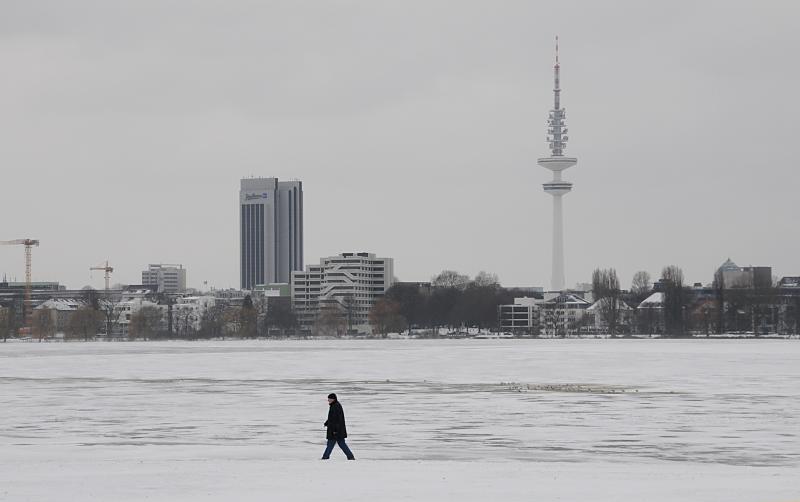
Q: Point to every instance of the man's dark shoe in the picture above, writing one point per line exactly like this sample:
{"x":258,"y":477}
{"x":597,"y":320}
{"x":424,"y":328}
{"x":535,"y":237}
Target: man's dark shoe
{"x":351,"y":458}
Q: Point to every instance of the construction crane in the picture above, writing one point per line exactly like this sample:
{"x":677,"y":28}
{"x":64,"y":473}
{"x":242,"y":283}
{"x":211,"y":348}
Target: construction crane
{"x":28,"y":243}
{"x":105,"y":268}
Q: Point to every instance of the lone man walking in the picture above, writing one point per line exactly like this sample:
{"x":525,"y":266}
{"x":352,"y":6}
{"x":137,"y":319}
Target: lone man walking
{"x":337,"y":430}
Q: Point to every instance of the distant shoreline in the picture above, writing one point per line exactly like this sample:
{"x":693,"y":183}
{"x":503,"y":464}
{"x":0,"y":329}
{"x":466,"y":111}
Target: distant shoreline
{"x":395,"y":337}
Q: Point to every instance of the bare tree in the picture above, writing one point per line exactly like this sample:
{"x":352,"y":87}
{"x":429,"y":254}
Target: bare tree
{"x":792,"y":315}
{"x":5,"y":322}
{"x":675,"y":300}
{"x":248,"y":319}
{"x":231,"y":320}
{"x":42,"y":323}
{"x":606,"y":291}
{"x":486,"y":280}
{"x":280,"y":315}
{"x":413,"y":304}
{"x":83,"y":323}
{"x":648,"y":319}
{"x":641,"y":286}
{"x":108,"y":307}
{"x":441,"y":306}
{"x":145,"y":323}
{"x":330,"y":322}
{"x":349,"y":308}
{"x":719,"y":296}
{"x":212,"y":322}
{"x":385,"y":317}
{"x":183,"y":316}
{"x":450,"y":279}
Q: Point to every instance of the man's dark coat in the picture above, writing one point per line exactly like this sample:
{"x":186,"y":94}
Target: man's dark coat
{"x":335,"y":423}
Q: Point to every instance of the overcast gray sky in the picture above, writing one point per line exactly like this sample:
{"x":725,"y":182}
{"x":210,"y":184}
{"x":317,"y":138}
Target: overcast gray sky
{"x":415,"y":126}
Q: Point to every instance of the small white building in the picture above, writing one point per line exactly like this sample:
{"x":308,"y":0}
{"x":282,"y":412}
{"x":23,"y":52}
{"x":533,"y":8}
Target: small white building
{"x":187,"y":313}
{"x":125,"y":309}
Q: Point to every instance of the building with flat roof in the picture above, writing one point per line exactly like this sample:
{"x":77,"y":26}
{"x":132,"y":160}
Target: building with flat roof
{"x":521,"y":316}
{"x":270,"y":230}
{"x":165,"y":278}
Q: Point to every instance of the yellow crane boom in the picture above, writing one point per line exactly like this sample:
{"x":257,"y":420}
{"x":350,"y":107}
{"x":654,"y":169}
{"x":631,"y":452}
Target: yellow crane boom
{"x":28,"y":243}
{"x":105,"y":268}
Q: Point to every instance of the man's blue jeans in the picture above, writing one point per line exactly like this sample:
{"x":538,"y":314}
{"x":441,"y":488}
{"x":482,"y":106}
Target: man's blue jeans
{"x":342,"y":445}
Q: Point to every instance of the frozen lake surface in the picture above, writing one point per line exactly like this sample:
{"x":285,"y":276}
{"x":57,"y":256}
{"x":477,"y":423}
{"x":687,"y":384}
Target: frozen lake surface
{"x":428,"y":420}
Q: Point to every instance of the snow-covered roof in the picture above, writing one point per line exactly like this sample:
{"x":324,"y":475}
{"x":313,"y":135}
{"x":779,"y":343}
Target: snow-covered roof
{"x":567,"y":299}
{"x":526,"y":301}
{"x":62,"y":304}
{"x":654,"y":300}
{"x":604,"y":301}
{"x":789,"y":282}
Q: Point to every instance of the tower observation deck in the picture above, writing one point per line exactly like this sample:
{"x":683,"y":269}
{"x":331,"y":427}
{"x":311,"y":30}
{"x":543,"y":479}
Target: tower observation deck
{"x":557,"y":162}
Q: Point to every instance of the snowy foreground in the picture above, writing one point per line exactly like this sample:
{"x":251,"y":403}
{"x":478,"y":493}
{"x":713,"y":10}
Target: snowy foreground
{"x":466,"y":420}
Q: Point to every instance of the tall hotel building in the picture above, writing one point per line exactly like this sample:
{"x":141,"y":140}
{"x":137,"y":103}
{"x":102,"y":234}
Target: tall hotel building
{"x":270,"y":230}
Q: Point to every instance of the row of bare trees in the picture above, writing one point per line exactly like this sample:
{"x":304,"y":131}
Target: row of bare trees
{"x":156,"y":321}
{"x":453,"y":301}
{"x":683,"y":311}
{"x":671,"y":314}
{"x":82,"y":323}
{"x":607,"y":291}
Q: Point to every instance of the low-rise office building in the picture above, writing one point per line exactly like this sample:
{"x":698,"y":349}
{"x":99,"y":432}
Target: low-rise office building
{"x":520,"y":317}
{"x":166,"y":278}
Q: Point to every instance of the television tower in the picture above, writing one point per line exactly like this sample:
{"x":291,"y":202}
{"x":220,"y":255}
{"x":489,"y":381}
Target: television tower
{"x":556,"y":162}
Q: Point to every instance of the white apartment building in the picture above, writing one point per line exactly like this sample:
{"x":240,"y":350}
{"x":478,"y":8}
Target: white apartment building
{"x":596,"y":318}
{"x":127,"y":308}
{"x":349,"y":282}
{"x":562,"y":315}
{"x":167,"y":278}
{"x":187,"y":313}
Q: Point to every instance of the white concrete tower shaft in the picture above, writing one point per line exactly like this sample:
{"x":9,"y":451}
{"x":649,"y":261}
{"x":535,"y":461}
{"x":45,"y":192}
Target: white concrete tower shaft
{"x":557,"y":162}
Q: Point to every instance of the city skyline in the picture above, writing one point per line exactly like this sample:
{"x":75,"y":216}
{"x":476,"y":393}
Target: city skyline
{"x":126,"y":148}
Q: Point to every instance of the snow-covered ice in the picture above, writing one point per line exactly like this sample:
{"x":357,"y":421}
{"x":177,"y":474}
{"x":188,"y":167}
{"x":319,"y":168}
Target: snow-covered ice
{"x":428,"y":420}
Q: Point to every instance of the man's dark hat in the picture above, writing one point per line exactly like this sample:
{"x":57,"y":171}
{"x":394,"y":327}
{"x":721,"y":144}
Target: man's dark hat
{"x":332,"y":396}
